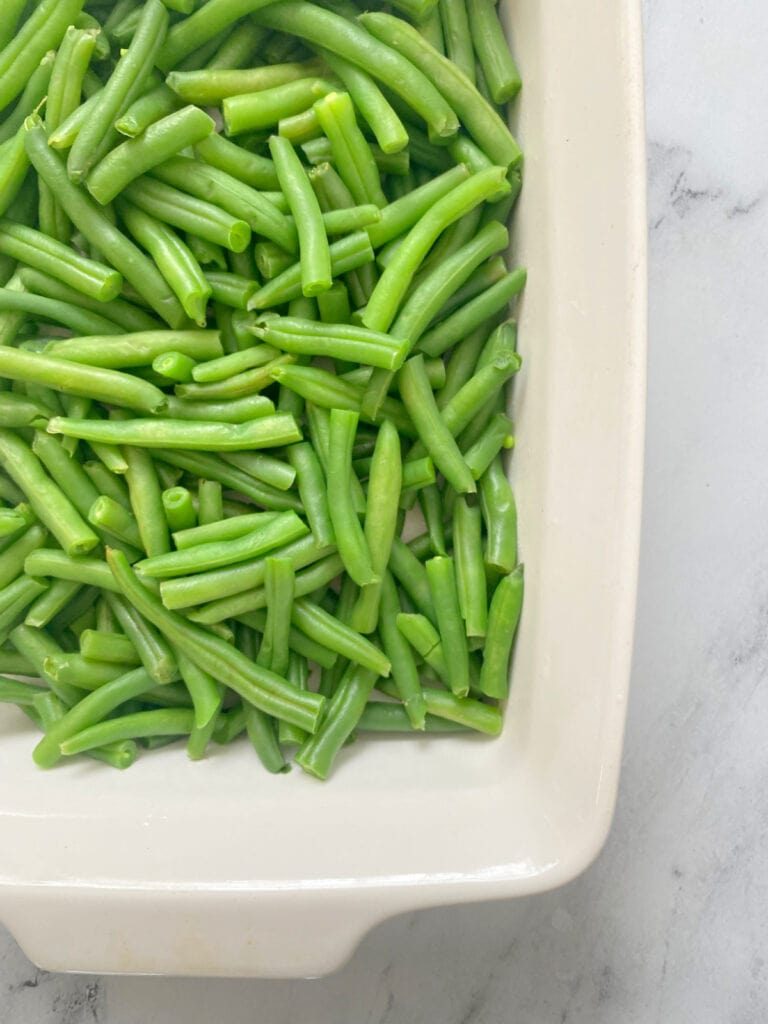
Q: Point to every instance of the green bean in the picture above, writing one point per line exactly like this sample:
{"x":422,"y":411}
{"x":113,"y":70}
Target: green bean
{"x":14,"y":601}
{"x":268,"y":431}
{"x":325,"y":629}
{"x":357,"y":344}
{"x":88,"y":711}
{"x":16,"y":664}
{"x":18,"y":411}
{"x":124,"y":314}
{"x":457,"y":37}
{"x":209,"y":87}
{"x":500,"y":517}
{"x":346,"y":254}
{"x":179,"y":509}
{"x":498,"y":434}
{"x":74,"y":670}
{"x":424,"y":638}
{"x":97,"y":134}
{"x":12,"y":12}
{"x":136,"y":268}
{"x":470,"y":571}
{"x":206,"y":253}
{"x":108,"y":647}
{"x":316,"y":577}
{"x":326,"y":390}
{"x":13,"y":691}
{"x":266,"y":468}
{"x":36,"y":645}
{"x":156,"y":655}
{"x":503,"y":618}
{"x":174,"y":366}
{"x":431,"y":28}
{"x":223,"y":368}
{"x":298,"y":674}
{"x":317,"y":754}
{"x":472,"y":714}
{"x":350,"y":539}
{"x":405,"y":674}
{"x":204,"y":690}
{"x":353,"y":43}
{"x":147,"y":110}
{"x":63,"y":136}
{"x":315,"y":255}
{"x":240,"y":47}
{"x":173,"y":258}
{"x":50,"y":256}
{"x":462,"y":362}
{"x":249,"y":168}
{"x":209,"y":508}
{"x":253,"y":683}
{"x":192,"y":32}
{"x":381,"y":516}
{"x":49,"y":503}
{"x":111,"y":456}
{"x":146,"y":501}
{"x":156,"y":143}
{"x":136,"y":349}
{"x":204,"y":465}
{"x":382,"y":307}
{"x":435,"y":435}
{"x":194,"y":193}
{"x":255,"y":111}
{"x":57,"y":564}
{"x":105,"y":483}
{"x":49,"y":604}
{"x":35,"y":90}
{"x":271,"y":260}
{"x":478,"y":116}
{"x":411,"y":574}
{"x":216,"y":554}
{"x":442,"y":584}
{"x":65,"y":471}
{"x":180,"y":210}
{"x":70,"y":66}
{"x":301,"y":127}
{"x":108,"y":514}
{"x":73,"y":317}
{"x":161,"y":722}
{"x":430,"y":293}
{"x":11,"y":521}
{"x":41,"y":32}
{"x":475,"y":312}
{"x":386,"y":126}
{"x":313,"y":492}
{"x":351,"y":153}
{"x":236,"y":411}
{"x":200,"y":738}
{"x":221,"y":529}
{"x":231,"y":289}
{"x":333,"y":305}
{"x":14,"y":165}
{"x":431,"y":504}
{"x":279,"y":584}
{"x":492,"y":48}
{"x":379,"y":716}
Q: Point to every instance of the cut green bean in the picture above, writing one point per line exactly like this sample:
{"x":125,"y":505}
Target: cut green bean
{"x":179,"y":509}
{"x":146,"y":501}
{"x":255,"y":111}
{"x":108,"y":647}
{"x":500,"y":517}
{"x":351,"y":541}
{"x":147,"y":110}
{"x":127,"y":316}
{"x":351,"y":153}
{"x":248,"y":168}
{"x":156,"y":655}
{"x":442,"y":584}
{"x":493,"y":52}
{"x":318,"y":752}
{"x":108,"y":514}
{"x":503,"y":618}
{"x":313,"y":243}
{"x":275,"y":533}
{"x":470,"y":571}
{"x":475,"y":312}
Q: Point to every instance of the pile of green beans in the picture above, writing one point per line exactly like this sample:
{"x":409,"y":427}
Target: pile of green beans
{"x":256,"y":355}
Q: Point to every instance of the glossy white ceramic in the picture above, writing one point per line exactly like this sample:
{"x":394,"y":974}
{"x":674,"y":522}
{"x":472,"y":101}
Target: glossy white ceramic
{"x":217,"y":868}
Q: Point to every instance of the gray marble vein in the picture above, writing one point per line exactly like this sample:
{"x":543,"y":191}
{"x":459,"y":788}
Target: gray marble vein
{"x":671,"y":924}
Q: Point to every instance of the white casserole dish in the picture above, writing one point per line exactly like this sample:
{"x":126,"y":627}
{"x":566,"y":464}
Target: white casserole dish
{"x":217,"y":868}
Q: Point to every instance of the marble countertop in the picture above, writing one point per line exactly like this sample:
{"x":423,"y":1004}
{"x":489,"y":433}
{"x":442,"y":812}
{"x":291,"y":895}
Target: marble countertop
{"x":671,"y":923}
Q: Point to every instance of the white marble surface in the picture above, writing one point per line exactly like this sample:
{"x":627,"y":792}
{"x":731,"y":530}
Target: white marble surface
{"x":671,"y":924}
